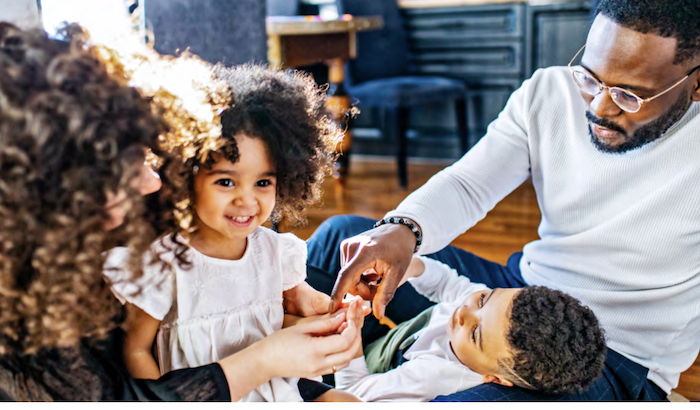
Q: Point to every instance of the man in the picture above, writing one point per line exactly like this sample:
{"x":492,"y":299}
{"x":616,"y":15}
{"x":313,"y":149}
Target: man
{"x":612,"y":144}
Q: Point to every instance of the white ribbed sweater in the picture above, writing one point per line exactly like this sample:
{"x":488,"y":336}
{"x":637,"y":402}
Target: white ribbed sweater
{"x":621,"y":232}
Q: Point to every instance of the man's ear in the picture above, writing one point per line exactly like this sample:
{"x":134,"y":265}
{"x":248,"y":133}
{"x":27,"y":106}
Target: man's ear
{"x":695,"y":95}
{"x":490,"y":378}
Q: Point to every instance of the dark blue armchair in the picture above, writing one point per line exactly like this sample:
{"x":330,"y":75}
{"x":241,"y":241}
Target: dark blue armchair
{"x":379,"y":77}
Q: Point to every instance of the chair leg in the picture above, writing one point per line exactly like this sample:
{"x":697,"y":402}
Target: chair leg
{"x":462,"y":127}
{"x":399,"y":125}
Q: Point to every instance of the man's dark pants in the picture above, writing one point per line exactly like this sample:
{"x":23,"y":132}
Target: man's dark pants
{"x":622,"y":379}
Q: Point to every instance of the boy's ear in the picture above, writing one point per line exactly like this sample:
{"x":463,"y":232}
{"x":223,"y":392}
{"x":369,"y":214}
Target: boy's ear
{"x":490,"y":378}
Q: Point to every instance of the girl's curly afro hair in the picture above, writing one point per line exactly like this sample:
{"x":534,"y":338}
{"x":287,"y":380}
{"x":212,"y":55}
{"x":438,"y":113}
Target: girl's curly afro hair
{"x":285,"y":109}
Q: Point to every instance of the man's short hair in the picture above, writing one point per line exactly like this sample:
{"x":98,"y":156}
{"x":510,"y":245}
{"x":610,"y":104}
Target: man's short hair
{"x":557,"y":345}
{"x":666,"y":18}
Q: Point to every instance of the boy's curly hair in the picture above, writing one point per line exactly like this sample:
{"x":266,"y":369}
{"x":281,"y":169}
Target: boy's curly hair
{"x":288,"y":111}
{"x":557,"y":345}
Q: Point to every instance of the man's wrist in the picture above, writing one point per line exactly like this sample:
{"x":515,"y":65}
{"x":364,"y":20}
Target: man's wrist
{"x":408,"y":223}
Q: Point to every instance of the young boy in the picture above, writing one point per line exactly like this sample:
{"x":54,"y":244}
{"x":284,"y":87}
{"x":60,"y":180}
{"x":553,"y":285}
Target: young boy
{"x":535,"y":338}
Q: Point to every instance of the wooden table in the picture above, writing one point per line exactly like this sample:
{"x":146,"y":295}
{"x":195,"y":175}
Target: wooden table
{"x":304,"y":40}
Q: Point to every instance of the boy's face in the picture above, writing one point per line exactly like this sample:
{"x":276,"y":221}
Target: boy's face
{"x":478,"y":329}
{"x":232,"y":200}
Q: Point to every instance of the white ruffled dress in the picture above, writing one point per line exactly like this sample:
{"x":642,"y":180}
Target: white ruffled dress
{"x":219,"y":307}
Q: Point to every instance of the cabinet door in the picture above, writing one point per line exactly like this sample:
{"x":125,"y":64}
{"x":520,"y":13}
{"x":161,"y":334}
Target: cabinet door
{"x":555,"y":33}
{"x":471,"y":41}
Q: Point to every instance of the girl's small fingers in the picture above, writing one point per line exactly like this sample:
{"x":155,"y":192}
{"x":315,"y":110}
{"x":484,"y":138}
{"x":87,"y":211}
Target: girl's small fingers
{"x":324,"y":326}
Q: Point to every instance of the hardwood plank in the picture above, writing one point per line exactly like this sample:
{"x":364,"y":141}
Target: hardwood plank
{"x":372,"y":190}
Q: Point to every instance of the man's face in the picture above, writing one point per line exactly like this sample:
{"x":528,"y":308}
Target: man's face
{"x":642,"y":64}
{"x":478,"y":329}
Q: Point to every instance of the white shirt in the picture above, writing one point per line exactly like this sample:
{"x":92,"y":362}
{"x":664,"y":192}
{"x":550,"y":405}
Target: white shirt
{"x":219,"y":307}
{"x":433,"y":369}
{"x":620,"y":232}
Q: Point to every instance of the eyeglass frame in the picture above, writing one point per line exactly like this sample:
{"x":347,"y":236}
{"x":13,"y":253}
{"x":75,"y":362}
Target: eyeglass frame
{"x":602,"y":87}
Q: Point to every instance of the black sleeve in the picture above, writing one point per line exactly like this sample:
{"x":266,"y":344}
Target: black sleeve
{"x":206,"y":383}
{"x":310,"y":390}
{"x":96,"y":372}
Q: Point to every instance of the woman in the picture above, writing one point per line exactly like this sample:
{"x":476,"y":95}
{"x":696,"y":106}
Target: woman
{"x":74,"y":138}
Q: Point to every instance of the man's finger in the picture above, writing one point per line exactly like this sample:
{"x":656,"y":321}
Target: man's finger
{"x":348,"y":280}
{"x":385,"y":292}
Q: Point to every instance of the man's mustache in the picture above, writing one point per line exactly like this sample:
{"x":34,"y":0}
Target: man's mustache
{"x":605,"y":123}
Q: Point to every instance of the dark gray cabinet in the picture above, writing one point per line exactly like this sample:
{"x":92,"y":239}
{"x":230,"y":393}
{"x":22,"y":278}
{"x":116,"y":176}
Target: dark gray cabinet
{"x":555,"y":33}
{"x":492,"y":48}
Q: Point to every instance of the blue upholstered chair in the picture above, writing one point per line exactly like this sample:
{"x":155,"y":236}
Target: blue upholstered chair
{"x":379,"y":76}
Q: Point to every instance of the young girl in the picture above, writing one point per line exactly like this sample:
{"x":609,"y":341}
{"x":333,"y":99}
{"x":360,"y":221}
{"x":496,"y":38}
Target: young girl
{"x":230,"y":273}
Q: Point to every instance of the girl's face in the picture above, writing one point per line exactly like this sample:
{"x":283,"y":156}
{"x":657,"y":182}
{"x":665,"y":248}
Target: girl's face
{"x":232,"y":200}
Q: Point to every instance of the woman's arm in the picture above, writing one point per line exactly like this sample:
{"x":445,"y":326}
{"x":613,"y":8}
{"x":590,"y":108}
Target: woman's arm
{"x":141,"y":331}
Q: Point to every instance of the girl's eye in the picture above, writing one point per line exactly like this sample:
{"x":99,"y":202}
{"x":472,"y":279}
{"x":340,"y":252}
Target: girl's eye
{"x":481,"y":299}
{"x":225,"y":182}
{"x":473,"y":334}
{"x":264,"y":183}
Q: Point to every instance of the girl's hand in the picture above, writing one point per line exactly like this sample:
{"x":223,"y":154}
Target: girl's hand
{"x":355,"y":309}
{"x":304,"y":300}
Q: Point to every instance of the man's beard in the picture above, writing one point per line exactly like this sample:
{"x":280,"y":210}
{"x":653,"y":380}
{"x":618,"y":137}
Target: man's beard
{"x":646,"y":134}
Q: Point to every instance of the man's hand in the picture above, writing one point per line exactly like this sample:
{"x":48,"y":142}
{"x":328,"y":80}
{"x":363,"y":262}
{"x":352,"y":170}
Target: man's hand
{"x":387,"y":250}
{"x":304,"y":300}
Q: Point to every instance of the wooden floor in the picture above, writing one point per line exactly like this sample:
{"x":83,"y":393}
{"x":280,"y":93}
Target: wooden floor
{"x":372,"y":190}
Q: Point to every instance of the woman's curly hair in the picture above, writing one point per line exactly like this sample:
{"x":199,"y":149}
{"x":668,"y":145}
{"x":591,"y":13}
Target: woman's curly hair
{"x":70,"y":131}
{"x":557,"y":345}
{"x":73,"y":127}
{"x":288,"y":112}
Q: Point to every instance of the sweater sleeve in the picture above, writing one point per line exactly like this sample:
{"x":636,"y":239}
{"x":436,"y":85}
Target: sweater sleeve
{"x":416,"y":380}
{"x":459,"y":196}
{"x":440,"y":283}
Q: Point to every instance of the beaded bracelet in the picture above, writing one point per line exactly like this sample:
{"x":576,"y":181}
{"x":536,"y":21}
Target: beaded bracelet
{"x":404,"y":221}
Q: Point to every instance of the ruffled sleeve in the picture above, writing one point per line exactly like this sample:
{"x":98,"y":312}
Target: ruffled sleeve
{"x":293,"y":259}
{"x":152,"y":292}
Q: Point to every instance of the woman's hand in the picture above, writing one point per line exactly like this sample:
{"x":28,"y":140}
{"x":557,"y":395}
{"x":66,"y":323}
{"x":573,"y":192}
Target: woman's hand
{"x":306,"y":350}
{"x":387,"y":250}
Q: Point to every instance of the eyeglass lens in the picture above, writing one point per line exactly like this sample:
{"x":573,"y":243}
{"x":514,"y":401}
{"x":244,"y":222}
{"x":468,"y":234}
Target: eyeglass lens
{"x":624,"y":99}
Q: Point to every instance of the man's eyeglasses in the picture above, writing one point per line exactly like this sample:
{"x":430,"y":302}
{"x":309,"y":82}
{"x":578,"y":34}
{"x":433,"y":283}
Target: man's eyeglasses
{"x":624,"y":99}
